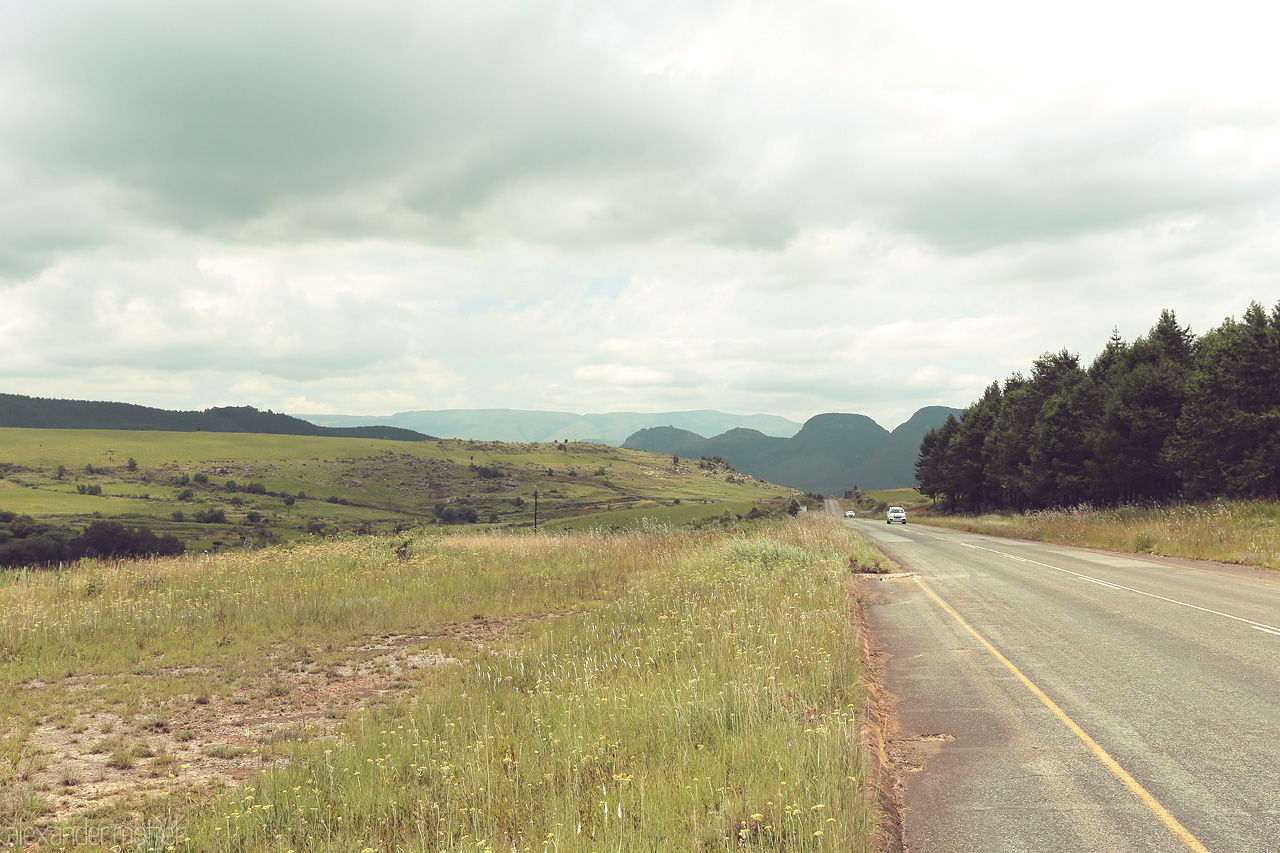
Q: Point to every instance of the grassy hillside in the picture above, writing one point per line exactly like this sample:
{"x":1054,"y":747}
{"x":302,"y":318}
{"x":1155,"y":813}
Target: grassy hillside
{"x":278,"y":488}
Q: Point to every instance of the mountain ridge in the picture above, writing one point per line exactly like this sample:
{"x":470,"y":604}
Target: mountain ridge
{"x":538,"y":426}
{"x":832,"y":453}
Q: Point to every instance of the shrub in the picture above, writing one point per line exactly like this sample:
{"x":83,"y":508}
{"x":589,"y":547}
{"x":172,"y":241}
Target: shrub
{"x":456,"y":514}
{"x":210,"y":516}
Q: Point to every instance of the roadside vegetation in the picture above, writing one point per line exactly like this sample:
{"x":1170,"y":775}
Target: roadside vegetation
{"x":638,"y":689}
{"x":1243,"y":532}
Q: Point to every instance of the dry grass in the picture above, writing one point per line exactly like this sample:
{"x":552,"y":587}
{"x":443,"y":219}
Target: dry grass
{"x":1247,"y":533}
{"x":649,"y":689}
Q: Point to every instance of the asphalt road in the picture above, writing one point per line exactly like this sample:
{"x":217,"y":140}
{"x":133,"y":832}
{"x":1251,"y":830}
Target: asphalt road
{"x":1156,"y":726}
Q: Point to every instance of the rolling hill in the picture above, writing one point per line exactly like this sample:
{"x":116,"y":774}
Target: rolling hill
{"x":23,"y":412}
{"x":829,"y":455}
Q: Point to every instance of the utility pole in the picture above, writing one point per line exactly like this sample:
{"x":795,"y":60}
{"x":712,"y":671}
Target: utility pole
{"x":535,"y":509}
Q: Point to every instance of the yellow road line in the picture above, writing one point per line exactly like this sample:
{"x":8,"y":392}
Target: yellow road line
{"x":1171,"y":823}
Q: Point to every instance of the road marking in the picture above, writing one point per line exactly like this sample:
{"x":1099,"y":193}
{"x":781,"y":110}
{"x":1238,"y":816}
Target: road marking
{"x":1261,"y":626}
{"x":1143,"y":796}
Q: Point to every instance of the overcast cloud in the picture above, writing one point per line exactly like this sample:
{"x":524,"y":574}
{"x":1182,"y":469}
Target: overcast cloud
{"x":337,"y":207}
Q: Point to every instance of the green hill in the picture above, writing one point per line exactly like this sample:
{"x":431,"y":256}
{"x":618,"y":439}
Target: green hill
{"x":831,"y":453}
{"x":223,"y":489}
{"x":22,"y":412}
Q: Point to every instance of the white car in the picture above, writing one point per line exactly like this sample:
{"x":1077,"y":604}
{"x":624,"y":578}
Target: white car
{"x":896,"y":513}
{"x":848,"y":513}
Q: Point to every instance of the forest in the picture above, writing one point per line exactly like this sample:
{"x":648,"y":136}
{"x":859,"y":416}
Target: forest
{"x":1170,"y":416}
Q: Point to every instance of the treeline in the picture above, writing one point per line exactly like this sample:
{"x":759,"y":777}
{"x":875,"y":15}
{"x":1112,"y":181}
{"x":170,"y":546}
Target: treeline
{"x":1168,"y":416}
{"x":27,"y":542}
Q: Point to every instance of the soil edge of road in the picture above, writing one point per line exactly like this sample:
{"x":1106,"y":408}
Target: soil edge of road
{"x":876,"y":724}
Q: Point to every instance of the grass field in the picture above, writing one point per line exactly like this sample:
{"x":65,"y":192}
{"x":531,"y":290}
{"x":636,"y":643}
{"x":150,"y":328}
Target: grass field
{"x":309,"y":485}
{"x":1241,"y":532}
{"x":645,"y":689}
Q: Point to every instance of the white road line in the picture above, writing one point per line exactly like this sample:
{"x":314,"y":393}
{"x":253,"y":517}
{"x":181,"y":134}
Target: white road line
{"x":1103,"y":583}
{"x":1270,"y":629}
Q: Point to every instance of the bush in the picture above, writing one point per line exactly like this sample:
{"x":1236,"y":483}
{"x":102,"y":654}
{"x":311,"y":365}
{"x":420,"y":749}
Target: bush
{"x":456,"y":514}
{"x":210,"y":516}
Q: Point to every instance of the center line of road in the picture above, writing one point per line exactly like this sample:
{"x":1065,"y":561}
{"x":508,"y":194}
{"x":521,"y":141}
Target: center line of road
{"x":1171,"y":823}
{"x":1270,"y":629}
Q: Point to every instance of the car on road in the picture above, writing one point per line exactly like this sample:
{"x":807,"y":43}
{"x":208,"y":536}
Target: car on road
{"x":848,"y":513}
{"x":896,"y":513}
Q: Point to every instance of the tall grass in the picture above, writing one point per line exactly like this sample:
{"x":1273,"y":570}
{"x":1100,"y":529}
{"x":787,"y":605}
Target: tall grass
{"x":98,"y":617}
{"x":1244,"y":532}
{"x":695,"y":692}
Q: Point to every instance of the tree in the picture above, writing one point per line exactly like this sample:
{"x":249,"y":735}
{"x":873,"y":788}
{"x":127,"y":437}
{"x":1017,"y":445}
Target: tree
{"x":1227,"y":439}
{"x":1143,"y":390}
{"x":968,"y":460}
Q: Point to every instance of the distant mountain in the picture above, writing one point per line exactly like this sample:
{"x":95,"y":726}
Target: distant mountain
{"x":40,"y":413}
{"x":514,"y":425}
{"x":829,"y":455}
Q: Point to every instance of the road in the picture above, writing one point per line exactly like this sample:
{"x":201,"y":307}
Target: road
{"x":1060,"y":699}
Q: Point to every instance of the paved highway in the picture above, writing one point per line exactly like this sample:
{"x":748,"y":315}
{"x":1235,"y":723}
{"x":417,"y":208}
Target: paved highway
{"x":1059,"y":699}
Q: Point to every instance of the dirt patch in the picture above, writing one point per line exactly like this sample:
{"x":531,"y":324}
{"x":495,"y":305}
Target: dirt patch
{"x":204,"y":740}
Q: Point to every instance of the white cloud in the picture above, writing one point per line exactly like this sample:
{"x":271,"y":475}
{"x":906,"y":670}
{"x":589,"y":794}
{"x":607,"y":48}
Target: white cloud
{"x":788,"y":208}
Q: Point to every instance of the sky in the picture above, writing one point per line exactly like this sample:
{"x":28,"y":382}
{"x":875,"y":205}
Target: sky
{"x":750,"y":206}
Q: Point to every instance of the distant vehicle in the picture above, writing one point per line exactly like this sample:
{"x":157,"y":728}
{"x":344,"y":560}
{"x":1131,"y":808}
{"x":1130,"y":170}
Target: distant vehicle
{"x":848,"y":513}
{"x":896,"y":513}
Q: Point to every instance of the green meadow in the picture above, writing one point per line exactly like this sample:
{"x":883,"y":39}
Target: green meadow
{"x":274,"y":489}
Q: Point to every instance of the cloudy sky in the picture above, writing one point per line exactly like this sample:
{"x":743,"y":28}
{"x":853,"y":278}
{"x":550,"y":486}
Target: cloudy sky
{"x":789,"y":208}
